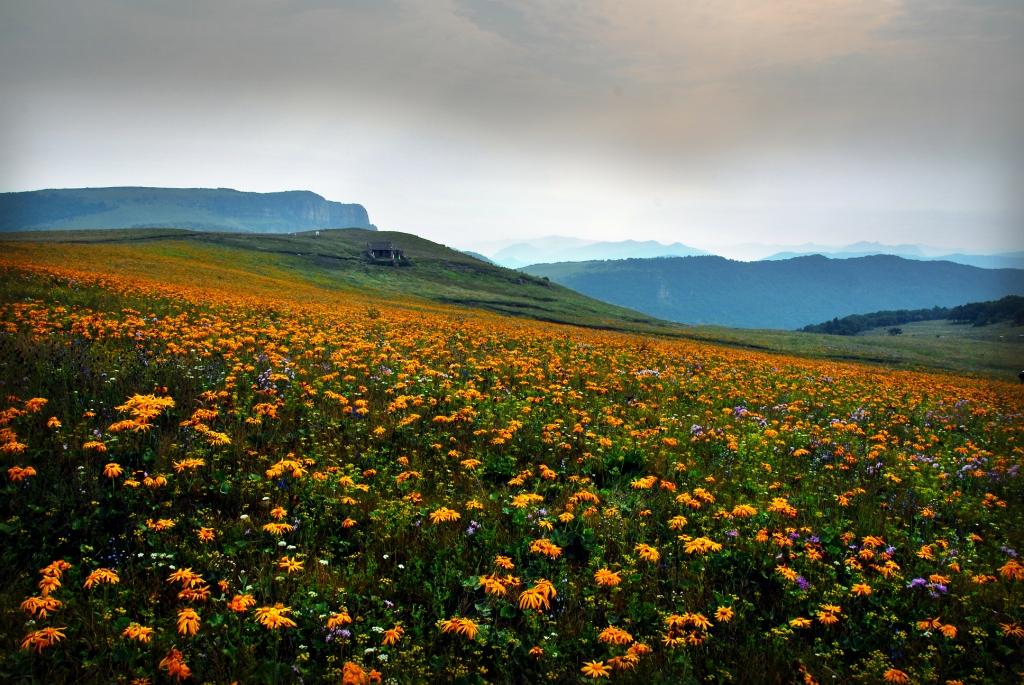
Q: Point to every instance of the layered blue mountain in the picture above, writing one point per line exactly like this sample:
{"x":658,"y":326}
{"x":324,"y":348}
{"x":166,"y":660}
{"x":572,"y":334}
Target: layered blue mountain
{"x":786,"y":293}
{"x":203,"y":209}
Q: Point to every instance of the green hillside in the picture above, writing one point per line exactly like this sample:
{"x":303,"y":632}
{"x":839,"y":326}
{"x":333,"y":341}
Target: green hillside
{"x":334,"y":260}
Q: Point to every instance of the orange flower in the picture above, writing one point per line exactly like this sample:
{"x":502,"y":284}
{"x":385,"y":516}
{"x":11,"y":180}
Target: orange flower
{"x":607,"y":578}
{"x":137,"y":632}
{"x":43,"y":638}
{"x":188,"y":622}
{"x":241,"y":603}
{"x":1012,"y":570}
{"x":175,"y":665}
{"x":339,"y":619}
{"x":595,"y":669}
{"x":894,"y":675}
{"x":289,"y":564}
{"x":101,"y":576}
{"x":615,"y":636}
{"x":701,"y":545}
{"x":274,"y":617}
{"x":460,"y":626}
{"x":393,"y":635}
{"x":648,"y":553}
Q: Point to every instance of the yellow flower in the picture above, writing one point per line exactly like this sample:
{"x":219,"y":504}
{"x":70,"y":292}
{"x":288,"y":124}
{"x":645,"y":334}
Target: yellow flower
{"x":339,"y":619}
{"x":595,"y":669}
{"x":40,"y":639}
{"x":724,"y":614}
{"x":701,"y":545}
{"x":504,"y":562}
{"x":648,"y":553}
{"x":460,"y":626}
{"x":137,"y":632}
{"x":546,"y":547}
{"x":607,"y":578}
{"x":444,"y":515}
{"x":614,"y":636}
{"x":112,"y":470}
{"x":278,"y":528}
{"x":289,"y":564}
{"x":241,"y":603}
{"x":100,"y":576}
{"x":532,"y":598}
{"x":274,"y":617}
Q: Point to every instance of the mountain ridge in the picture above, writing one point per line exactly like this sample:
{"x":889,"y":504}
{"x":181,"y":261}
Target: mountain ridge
{"x":781,"y":294}
{"x":200,"y":209}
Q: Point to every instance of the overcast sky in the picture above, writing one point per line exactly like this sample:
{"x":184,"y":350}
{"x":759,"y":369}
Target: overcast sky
{"x":708,"y":122}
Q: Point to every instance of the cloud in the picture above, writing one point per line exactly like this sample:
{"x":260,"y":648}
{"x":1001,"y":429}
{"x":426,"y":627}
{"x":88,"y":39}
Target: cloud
{"x":692,"y":106}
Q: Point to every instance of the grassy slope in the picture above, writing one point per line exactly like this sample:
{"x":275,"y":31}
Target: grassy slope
{"x":333,"y":262}
{"x":313,"y":268}
{"x":981,"y":353}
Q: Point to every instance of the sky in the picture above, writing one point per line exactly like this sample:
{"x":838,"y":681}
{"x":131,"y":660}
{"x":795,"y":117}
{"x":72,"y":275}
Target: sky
{"x":706,"y":122}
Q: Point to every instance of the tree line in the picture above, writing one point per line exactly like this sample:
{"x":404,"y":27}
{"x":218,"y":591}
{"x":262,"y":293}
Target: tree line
{"x":1009,"y":308}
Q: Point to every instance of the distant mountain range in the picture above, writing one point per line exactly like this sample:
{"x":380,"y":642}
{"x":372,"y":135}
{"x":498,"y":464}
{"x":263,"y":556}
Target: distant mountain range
{"x":565,"y":249}
{"x":785,"y":293}
{"x":1003,"y":260}
{"x":204,"y":209}
{"x":517,"y":254}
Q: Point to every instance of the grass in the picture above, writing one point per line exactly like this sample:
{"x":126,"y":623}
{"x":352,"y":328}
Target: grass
{"x":332,"y":262}
{"x":224,"y":462}
{"x":231,"y":463}
{"x":995,"y":353}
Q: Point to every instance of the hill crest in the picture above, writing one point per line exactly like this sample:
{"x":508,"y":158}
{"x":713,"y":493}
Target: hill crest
{"x":200,"y":209}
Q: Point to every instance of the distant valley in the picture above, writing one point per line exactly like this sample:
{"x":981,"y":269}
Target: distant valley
{"x":200,"y":209}
{"x":780,"y":294}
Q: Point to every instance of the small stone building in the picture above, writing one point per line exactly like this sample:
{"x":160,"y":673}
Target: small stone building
{"x":384,"y":252}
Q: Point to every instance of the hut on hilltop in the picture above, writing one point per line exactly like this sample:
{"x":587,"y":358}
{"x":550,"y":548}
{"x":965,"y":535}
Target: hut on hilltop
{"x":384,"y":252}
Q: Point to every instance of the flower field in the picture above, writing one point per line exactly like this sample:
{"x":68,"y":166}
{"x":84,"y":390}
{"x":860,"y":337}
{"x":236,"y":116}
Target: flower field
{"x":209,"y":482}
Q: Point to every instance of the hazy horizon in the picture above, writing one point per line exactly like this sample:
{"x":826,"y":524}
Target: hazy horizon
{"x":468,"y":122}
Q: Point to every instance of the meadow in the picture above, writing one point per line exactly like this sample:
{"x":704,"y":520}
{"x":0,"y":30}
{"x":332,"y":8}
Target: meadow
{"x":219,"y":472}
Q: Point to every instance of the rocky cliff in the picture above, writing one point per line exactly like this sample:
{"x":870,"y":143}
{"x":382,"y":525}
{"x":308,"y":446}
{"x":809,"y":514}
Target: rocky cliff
{"x":212,"y":209}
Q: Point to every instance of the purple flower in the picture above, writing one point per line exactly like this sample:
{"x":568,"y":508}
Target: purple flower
{"x":802,"y":582}
{"x":917,"y":582}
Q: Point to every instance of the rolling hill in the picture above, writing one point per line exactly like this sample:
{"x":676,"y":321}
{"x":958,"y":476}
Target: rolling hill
{"x":785,"y":294}
{"x":203,"y":209}
{"x":329,"y":270}
{"x":325,"y":264}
